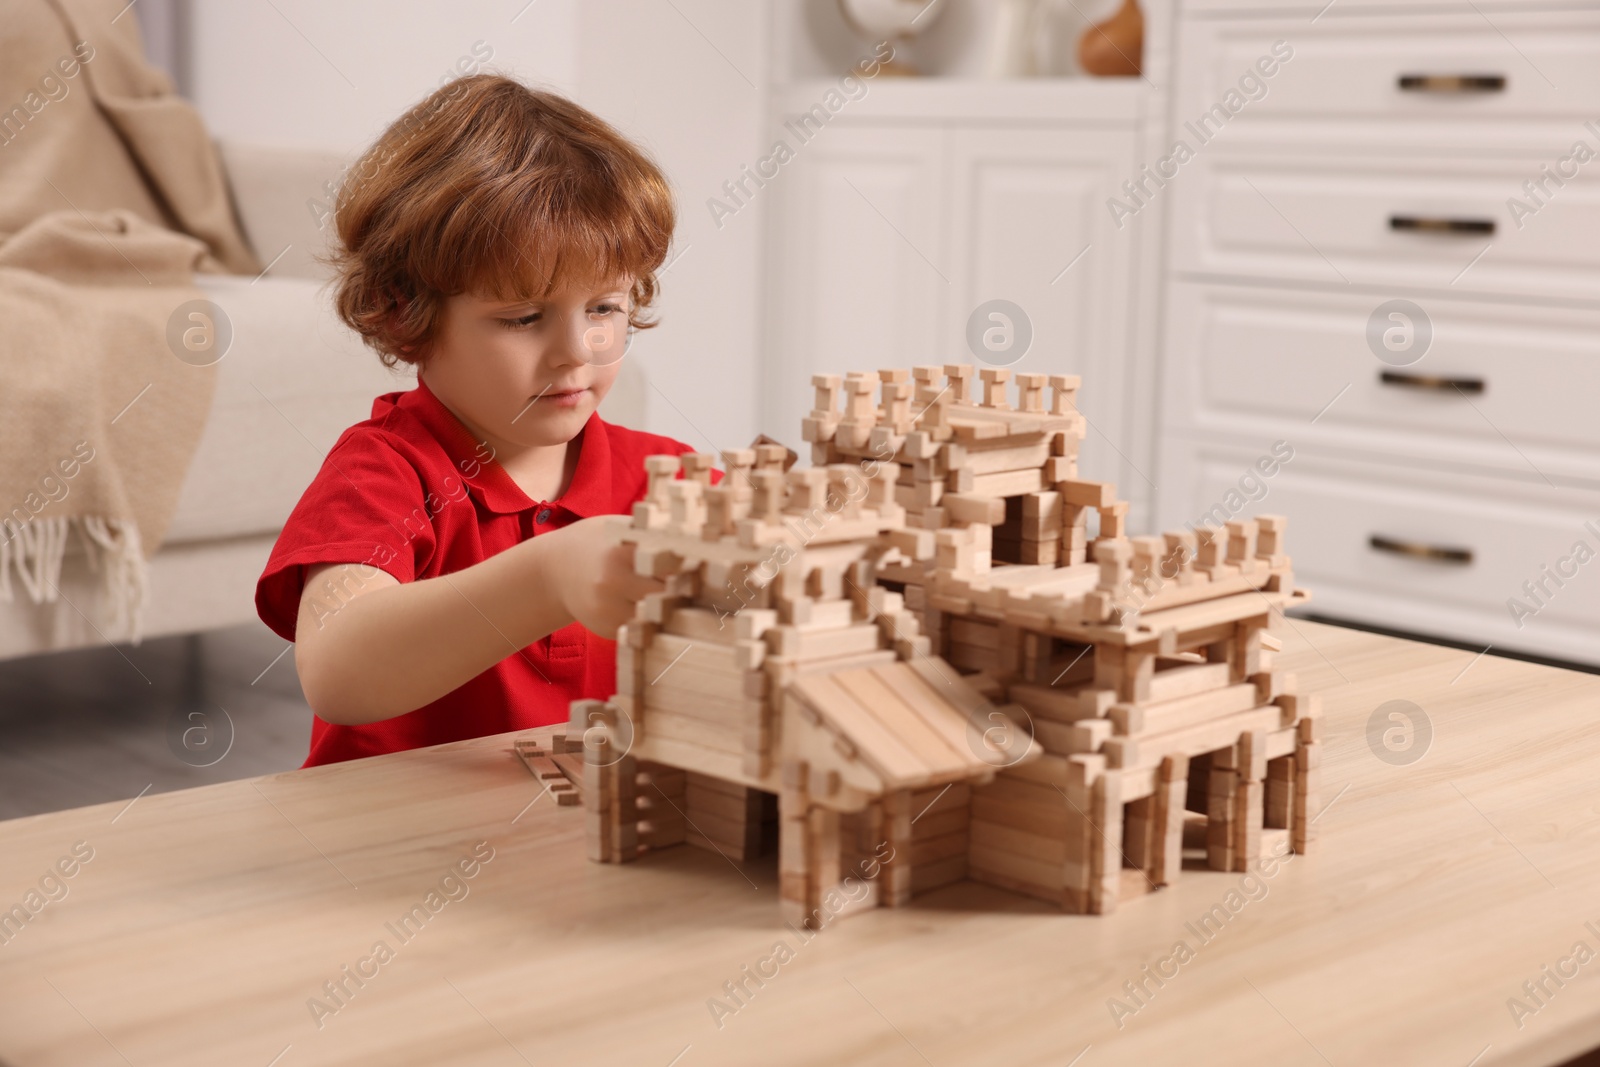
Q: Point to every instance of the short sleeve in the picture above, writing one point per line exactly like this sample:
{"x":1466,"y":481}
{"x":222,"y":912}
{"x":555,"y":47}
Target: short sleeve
{"x":366,"y":505}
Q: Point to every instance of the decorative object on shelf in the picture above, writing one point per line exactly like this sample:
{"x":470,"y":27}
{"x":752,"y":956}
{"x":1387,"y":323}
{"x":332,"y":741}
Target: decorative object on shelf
{"x":919,"y":624}
{"x":893,"y":21}
{"x":1015,"y":39}
{"x":1114,"y":48}
{"x":1054,"y":38}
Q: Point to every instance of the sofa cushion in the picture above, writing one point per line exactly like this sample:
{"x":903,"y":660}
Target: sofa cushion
{"x":293,"y":379}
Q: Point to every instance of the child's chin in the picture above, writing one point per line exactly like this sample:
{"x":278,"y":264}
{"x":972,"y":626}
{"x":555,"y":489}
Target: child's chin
{"x":561,"y":425}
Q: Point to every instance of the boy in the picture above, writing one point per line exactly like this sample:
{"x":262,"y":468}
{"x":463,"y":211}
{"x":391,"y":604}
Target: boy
{"x":448,"y":572}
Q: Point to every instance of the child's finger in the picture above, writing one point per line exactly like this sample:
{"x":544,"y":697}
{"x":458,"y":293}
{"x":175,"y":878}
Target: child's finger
{"x":638,"y":586}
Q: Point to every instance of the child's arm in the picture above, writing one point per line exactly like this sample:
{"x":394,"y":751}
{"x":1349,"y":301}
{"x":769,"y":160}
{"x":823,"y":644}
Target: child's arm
{"x":393,"y":647}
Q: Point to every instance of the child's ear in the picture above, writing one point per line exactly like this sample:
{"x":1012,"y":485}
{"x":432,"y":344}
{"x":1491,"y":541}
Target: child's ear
{"x":401,"y":304}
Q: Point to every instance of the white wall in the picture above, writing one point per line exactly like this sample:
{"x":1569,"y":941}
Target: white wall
{"x":687,"y":81}
{"x":314,"y":74}
{"x":332,"y":76}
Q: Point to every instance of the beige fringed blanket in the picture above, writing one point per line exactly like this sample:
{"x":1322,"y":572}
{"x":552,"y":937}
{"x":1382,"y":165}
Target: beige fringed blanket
{"x":111,"y":197}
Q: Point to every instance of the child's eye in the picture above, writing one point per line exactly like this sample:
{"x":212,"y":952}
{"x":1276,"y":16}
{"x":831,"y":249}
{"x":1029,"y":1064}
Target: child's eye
{"x":606,"y":309}
{"x":522,"y":323}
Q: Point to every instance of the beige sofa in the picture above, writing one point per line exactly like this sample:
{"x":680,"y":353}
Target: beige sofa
{"x":293,"y":380}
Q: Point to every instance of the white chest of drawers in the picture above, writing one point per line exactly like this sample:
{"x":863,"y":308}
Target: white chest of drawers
{"x":1443,"y":154}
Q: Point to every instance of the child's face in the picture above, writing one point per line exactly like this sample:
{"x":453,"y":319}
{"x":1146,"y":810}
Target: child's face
{"x":529,"y":373}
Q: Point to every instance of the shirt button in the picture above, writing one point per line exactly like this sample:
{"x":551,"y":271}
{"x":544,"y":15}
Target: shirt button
{"x":543,"y":516}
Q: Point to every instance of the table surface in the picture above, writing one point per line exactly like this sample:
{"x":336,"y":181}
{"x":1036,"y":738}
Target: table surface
{"x":208,"y":920}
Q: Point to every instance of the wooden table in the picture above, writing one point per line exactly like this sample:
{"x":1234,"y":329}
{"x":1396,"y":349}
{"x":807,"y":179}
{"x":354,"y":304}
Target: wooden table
{"x":208,"y":919}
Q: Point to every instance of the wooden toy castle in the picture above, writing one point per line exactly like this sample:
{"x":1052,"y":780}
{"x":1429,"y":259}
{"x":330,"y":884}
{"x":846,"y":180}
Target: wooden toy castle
{"x":901,"y":666}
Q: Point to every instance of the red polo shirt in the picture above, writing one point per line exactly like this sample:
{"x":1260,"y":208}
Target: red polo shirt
{"x":412,"y":492}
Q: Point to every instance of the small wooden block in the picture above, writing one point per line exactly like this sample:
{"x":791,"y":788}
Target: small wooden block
{"x":1279,"y":796}
{"x":1222,"y":796}
{"x":1105,"y":853}
{"x":1253,"y":755}
{"x":1247,"y":814}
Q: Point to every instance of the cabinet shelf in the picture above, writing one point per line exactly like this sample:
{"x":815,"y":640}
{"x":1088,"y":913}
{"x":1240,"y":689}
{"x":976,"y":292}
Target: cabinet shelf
{"x":1117,"y":102}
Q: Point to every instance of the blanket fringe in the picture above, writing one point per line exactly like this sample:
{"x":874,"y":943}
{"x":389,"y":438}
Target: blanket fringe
{"x":113,"y":550}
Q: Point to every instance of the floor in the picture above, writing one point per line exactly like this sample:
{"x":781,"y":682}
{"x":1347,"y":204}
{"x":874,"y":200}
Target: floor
{"x":103,"y":724}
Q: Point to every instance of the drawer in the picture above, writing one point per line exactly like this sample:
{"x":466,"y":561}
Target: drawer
{"x":1270,"y":363}
{"x":1343,"y":217}
{"x":1492,"y":535}
{"x":1354,"y":65}
{"x":1307,"y":9}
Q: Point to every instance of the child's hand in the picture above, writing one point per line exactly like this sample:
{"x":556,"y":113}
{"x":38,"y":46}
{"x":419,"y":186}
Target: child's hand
{"x":593,"y":574}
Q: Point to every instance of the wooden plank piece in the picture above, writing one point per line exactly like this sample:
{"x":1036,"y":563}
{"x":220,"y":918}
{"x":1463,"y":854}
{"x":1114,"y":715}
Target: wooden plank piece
{"x":888,"y":704}
{"x":879,"y":747}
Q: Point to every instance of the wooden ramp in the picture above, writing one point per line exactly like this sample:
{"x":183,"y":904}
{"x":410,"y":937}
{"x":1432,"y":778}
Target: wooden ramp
{"x":902,"y":726}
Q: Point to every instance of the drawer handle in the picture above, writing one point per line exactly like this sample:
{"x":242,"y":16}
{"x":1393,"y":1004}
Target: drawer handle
{"x":1475,"y":386}
{"x":1423,"y":224}
{"x":1417,"y":550}
{"x":1453,"y":83}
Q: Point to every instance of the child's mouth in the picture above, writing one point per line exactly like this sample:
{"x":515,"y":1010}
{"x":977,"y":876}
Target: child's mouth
{"x":564,"y":398}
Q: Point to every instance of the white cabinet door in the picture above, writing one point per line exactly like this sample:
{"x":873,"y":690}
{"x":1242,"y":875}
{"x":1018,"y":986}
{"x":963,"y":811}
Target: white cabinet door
{"x":1460,"y":68}
{"x":1465,"y":557}
{"x":856,"y":265}
{"x":1027,"y":223}
{"x":1500,"y":387}
{"x":1347,"y":214}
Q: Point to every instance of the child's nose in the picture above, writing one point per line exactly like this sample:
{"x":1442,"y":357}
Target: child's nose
{"x":568,"y":347}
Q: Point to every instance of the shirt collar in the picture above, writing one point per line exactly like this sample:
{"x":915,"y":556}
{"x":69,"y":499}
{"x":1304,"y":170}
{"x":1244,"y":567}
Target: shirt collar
{"x":488,"y":480}
{"x":590,"y":491}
